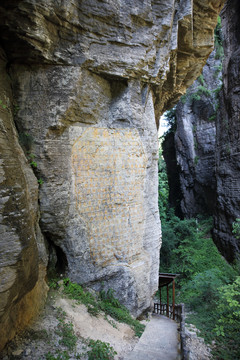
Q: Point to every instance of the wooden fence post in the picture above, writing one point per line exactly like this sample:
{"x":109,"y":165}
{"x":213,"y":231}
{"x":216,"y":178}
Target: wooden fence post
{"x":173,"y":298}
{"x":167,"y":302}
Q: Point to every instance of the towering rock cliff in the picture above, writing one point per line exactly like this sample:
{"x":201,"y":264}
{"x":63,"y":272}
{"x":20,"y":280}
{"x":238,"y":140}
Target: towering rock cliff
{"x":83,"y":85}
{"x":207,"y":141}
{"x":193,"y":189}
{"x":228,"y":133}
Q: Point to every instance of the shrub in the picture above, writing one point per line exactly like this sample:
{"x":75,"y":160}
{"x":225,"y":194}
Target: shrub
{"x":100,"y":350}
{"x":236,"y":228}
{"x":228,"y":325}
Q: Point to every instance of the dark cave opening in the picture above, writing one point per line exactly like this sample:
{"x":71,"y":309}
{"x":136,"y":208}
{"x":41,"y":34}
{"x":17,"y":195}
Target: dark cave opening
{"x":58,"y":263}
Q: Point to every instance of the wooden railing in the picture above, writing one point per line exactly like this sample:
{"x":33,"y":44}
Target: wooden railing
{"x":169,"y":311}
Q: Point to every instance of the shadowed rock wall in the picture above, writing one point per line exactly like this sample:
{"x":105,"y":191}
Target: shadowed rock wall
{"x":194,"y":191}
{"x":89,"y":81}
{"x":228,"y":133}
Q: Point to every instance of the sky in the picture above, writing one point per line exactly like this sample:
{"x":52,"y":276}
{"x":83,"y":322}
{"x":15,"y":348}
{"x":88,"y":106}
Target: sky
{"x":163,"y":126}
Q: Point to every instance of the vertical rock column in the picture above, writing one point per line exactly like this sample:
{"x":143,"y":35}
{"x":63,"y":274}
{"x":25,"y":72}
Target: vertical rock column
{"x":22,"y":264}
{"x":228,"y":137}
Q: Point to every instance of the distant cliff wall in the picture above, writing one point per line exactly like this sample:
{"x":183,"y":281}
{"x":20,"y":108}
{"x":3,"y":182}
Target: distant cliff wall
{"x":194,"y":144}
{"x":87,"y":82}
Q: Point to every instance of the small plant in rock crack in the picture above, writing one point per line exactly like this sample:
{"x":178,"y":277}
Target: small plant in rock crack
{"x":3,"y":106}
{"x":40,"y":181}
{"x":100,"y":350}
{"x":31,"y":159}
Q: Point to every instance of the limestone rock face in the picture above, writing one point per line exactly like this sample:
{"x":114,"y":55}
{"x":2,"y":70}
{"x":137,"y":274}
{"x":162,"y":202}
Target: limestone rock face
{"x":194,"y":143}
{"x":162,"y":42}
{"x":97,"y":154}
{"x":21,"y":261}
{"x":228,"y":133}
{"x":89,"y":80}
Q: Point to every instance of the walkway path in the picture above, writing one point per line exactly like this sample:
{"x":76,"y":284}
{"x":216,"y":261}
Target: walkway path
{"x":158,"y":342}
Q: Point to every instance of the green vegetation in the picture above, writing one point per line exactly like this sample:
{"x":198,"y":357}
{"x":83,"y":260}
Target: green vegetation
{"x":40,"y":181}
{"x":67,"y":338}
{"x":227,"y":328}
{"x":105,"y":302}
{"x":196,"y":93}
{"x":100,"y":351}
{"x":201,"y":80}
{"x":202,"y":90}
{"x":218,"y":40}
{"x":31,"y":159}
{"x":3,"y":106}
{"x":96,"y":303}
{"x":236,"y":228}
{"x":218,"y":69}
{"x":208,"y":285}
{"x":196,"y":159}
{"x":183,"y":98}
{"x":64,"y":355}
{"x":212,"y":117}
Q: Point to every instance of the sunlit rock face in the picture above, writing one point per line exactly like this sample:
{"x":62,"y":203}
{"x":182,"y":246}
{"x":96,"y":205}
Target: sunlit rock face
{"x":89,"y":81}
{"x":228,"y":132}
{"x":97,"y":154}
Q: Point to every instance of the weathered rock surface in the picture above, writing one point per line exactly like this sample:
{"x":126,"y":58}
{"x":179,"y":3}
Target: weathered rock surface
{"x":22,"y":288}
{"x":90,"y":80}
{"x":98,"y":201}
{"x":193,"y":176}
{"x":228,"y":133}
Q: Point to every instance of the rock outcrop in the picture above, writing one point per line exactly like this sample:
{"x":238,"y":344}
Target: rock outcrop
{"x":89,"y":81}
{"x":193,"y":176}
{"x":228,"y":133}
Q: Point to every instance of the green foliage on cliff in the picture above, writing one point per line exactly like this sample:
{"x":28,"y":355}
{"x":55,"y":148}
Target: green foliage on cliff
{"x":228,"y":324}
{"x":3,"y":106}
{"x":100,"y":350}
{"x":208,"y":285}
{"x":236,"y":228}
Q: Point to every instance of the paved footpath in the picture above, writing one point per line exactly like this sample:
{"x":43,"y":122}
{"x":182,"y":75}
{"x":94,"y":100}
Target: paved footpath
{"x":158,"y":342}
